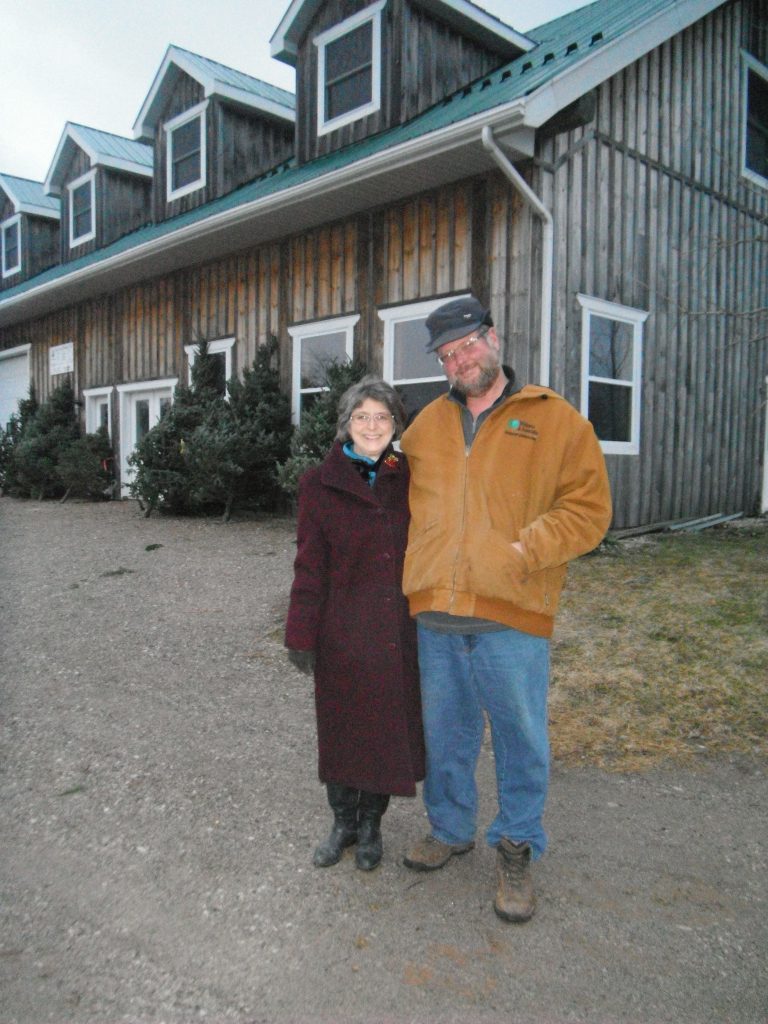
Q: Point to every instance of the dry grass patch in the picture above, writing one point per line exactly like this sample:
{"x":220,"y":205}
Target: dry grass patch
{"x":660,"y":651}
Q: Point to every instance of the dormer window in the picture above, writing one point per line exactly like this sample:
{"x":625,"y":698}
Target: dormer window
{"x":755,"y":157}
{"x":349,"y":69}
{"x":11,"y":244}
{"x":82,"y":209}
{"x":186,"y":157}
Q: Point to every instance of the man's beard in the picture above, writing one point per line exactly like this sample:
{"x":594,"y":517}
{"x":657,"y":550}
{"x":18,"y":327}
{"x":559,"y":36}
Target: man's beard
{"x":477,"y":387}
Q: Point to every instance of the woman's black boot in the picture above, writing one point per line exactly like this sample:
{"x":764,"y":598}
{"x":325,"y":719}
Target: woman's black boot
{"x":369,"y":845}
{"x":343,"y":801}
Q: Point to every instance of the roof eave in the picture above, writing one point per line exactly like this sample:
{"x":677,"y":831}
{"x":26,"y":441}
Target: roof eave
{"x":455,"y":149}
{"x":38,"y":211}
{"x":248,"y":99}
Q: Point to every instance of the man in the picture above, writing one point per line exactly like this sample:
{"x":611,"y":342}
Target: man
{"x":508,"y":484}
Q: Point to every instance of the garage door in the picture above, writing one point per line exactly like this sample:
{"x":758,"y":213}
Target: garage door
{"x":14,"y":380}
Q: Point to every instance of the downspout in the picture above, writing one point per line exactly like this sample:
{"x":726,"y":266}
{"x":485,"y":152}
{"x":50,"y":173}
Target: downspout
{"x":548,"y":244}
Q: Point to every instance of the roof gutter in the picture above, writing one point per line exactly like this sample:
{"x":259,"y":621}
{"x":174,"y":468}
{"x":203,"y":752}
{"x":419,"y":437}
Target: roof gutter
{"x":548,"y":246}
{"x":388,"y":160}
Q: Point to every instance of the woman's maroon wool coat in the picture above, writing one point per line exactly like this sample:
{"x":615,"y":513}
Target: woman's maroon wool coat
{"x":347,"y":605}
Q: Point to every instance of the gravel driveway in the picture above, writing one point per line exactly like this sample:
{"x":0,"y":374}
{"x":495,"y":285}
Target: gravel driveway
{"x":160,"y":806}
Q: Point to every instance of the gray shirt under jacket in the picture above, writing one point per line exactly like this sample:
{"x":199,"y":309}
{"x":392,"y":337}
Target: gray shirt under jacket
{"x":443,"y":622}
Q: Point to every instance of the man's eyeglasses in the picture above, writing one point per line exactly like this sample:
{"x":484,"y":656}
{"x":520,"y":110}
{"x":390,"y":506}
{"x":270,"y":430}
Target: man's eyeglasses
{"x":379,"y":418}
{"x":465,"y":348}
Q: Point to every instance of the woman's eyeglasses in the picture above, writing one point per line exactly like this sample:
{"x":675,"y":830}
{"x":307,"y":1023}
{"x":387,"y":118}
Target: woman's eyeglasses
{"x":379,"y":418}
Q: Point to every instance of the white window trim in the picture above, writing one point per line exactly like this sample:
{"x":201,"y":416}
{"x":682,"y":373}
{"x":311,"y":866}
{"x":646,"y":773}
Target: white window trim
{"x":224,"y":345}
{"x":636,"y":318}
{"x":321,"y":41}
{"x":395,"y":315}
{"x":9,"y":223}
{"x":92,"y":403}
{"x":749,"y":63}
{"x":170,"y":127}
{"x":314,"y":330}
{"x":90,"y":176}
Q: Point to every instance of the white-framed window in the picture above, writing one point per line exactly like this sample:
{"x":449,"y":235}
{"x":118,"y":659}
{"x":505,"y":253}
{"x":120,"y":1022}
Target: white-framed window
{"x":141,"y":405}
{"x":611,"y":372}
{"x":185,"y":149}
{"x":315,"y":347}
{"x":98,"y":409}
{"x":11,"y":245}
{"x":221,"y":351}
{"x":82,"y":209}
{"x":349,"y":69}
{"x":416,"y":374}
{"x":755,"y":121}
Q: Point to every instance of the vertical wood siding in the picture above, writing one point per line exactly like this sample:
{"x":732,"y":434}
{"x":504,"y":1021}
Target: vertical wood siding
{"x":651,"y":211}
{"x":426,"y":60}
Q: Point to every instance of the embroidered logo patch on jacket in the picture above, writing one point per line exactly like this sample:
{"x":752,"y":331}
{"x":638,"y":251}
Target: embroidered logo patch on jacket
{"x":520,"y":428}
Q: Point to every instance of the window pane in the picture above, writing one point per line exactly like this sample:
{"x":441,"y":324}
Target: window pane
{"x":348,"y":71}
{"x":610,"y":411}
{"x":11,"y":246}
{"x":165,"y":405}
{"x":349,"y":53}
{"x":610,"y":348}
{"x":348,"y":94}
{"x":416,"y":396}
{"x":757,"y":124}
{"x":142,"y":418}
{"x":409,"y":358}
{"x":81,"y":210}
{"x":186,"y":148}
{"x":319,"y":352}
{"x":104,"y":415}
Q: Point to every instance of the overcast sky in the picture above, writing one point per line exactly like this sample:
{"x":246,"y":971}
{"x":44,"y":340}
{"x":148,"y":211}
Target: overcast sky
{"x":93,"y":61}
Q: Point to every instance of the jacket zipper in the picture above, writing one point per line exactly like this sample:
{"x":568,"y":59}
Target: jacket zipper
{"x":467,"y":452}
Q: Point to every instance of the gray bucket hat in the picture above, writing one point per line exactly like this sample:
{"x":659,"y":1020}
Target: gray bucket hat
{"x":455,"y":319}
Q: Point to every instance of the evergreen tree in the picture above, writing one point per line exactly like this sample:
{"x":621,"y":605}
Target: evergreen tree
{"x":43,"y":438}
{"x":84,"y":467}
{"x":9,"y":440}
{"x":214,"y":453}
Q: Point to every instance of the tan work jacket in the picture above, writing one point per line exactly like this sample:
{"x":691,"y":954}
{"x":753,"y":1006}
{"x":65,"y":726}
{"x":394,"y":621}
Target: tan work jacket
{"x":535,"y":473}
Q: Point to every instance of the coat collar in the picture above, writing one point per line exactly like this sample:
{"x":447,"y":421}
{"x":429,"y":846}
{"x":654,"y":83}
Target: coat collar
{"x":337,"y":471}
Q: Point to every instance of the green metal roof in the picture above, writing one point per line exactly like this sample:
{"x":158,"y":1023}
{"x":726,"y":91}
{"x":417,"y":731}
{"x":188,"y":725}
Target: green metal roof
{"x":211,"y":69}
{"x":104,"y":146}
{"x":25,"y":193}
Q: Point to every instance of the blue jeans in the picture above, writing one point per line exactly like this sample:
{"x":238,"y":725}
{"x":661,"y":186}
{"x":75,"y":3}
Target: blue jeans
{"x":505,"y":674}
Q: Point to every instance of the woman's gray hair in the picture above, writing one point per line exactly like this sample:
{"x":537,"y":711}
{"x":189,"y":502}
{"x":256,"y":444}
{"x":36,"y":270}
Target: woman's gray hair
{"x":377,"y":390}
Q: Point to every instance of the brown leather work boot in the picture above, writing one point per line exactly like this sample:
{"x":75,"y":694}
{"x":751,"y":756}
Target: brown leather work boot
{"x":515,"y":900}
{"x":429,"y":854}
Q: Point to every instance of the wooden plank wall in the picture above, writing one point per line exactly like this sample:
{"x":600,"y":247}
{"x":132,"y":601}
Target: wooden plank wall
{"x":186,"y":95}
{"x":428,"y":61}
{"x":123,"y":204}
{"x":651,"y":213}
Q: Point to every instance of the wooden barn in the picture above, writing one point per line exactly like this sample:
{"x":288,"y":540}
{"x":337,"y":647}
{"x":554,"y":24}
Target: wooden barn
{"x":601,"y":182}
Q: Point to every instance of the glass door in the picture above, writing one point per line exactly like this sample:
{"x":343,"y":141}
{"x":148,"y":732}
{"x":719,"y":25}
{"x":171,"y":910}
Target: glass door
{"x":141,"y":407}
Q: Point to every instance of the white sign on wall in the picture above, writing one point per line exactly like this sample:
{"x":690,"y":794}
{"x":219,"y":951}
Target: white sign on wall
{"x":61,"y":358}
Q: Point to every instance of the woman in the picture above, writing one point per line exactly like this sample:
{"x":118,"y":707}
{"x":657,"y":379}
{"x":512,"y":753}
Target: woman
{"x":348,"y":622}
